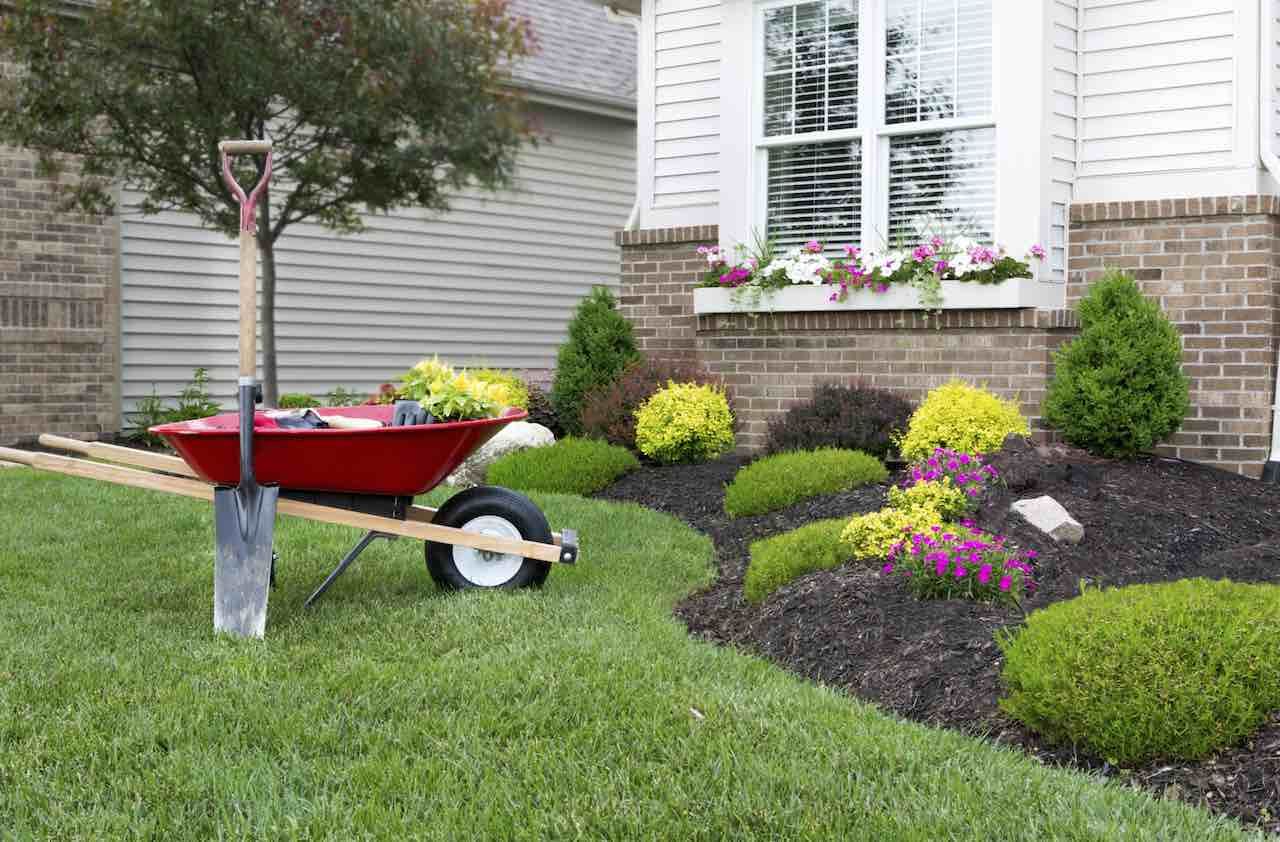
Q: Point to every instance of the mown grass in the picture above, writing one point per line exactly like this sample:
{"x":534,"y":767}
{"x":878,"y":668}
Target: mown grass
{"x":775,"y":482}
{"x":781,"y":558}
{"x":392,"y":711}
{"x":570,"y":466}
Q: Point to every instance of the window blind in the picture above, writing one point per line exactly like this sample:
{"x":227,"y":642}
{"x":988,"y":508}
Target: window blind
{"x":937,"y":59}
{"x":814,"y":193}
{"x":942,"y":183}
{"x":811,"y":67}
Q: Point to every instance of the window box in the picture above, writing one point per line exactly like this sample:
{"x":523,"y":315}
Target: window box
{"x":956,"y":295}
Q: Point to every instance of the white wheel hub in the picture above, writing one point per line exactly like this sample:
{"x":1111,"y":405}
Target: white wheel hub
{"x":481,"y":567}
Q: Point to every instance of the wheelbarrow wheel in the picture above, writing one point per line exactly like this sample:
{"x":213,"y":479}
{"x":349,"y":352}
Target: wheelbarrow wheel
{"x":494,"y":511}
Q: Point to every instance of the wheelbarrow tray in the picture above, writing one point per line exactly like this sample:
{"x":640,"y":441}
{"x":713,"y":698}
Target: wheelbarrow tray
{"x":389,"y":461}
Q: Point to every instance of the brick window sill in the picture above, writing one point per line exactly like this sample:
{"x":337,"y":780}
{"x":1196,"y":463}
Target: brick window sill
{"x":956,"y":295}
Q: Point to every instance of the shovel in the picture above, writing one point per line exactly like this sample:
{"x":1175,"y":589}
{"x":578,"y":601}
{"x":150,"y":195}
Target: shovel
{"x":244,"y":516}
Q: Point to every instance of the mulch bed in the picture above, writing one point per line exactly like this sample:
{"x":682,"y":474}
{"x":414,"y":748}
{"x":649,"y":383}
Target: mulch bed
{"x":937,"y":661}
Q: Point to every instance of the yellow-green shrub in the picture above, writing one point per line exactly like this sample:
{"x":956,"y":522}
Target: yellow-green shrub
{"x":517,"y":391}
{"x":941,"y":495}
{"x":963,"y":418}
{"x":684,"y":422}
{"x":873,"y":535}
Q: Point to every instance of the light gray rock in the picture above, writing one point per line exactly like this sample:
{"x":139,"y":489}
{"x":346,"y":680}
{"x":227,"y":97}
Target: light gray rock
{"x":517,"y":435}
{"x":1048,"y":515}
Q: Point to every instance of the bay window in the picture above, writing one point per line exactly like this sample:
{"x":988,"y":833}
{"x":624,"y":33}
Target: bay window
{"x":875,"y":120}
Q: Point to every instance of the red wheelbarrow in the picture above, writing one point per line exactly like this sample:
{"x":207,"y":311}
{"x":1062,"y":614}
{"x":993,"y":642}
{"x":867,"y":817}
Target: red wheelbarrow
{"x":483,"y":537}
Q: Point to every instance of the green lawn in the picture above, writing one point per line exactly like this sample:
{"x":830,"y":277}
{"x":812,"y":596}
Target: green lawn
{"x":392,"y":711}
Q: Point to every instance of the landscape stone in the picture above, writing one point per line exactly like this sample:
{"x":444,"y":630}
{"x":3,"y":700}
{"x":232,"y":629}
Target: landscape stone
{"x":518,"y":435}
{"x":1048,"y":515}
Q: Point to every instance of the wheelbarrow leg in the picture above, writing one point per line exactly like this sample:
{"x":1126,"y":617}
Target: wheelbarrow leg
{"x":361,"y":546}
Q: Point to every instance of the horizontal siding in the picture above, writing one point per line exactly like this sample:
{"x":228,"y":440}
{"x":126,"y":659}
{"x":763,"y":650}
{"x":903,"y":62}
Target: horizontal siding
{"x":1063,"y":129}
{"x":1157,"y":86}
{"x":1272,"y":72}
{"x":686,"y":79}
{"x":494,"y":281}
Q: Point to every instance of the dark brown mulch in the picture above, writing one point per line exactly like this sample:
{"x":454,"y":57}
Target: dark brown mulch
{"x":937,"y":661}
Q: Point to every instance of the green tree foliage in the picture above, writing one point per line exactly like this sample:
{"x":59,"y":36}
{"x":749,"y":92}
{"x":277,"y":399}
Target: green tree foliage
{"x":370,"y":105}
{"x":1119,"y":388}
{"x":599,"y":347}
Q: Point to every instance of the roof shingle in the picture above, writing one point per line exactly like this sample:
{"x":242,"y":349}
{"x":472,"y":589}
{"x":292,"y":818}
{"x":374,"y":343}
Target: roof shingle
{"x":579,"y":49}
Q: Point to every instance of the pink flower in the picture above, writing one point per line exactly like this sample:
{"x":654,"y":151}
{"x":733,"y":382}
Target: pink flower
{"x":937,"y":242}
{"x":886,"y":570}
{"x":1037,"y":251}
{"x":940,"y":567}
{"x":940,"y":266}
{"x":813,"y":246}
{"x":984,"y":574}
{"x":964,"y":458}
{"x":851,"y":251}
{"x":922,"y":253}
{"x":960,"y":572}
{"x":1006,"y":582}
{"x":882,"y":287}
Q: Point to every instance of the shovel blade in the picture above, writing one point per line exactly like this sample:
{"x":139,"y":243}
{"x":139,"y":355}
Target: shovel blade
{"x":244,"y":525}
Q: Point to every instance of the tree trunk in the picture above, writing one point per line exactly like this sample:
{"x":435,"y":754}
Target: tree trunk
{"x":267,"y":248}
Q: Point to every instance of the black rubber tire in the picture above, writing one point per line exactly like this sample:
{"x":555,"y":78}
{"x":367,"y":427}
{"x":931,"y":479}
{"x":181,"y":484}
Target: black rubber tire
{"x":467,"y":505}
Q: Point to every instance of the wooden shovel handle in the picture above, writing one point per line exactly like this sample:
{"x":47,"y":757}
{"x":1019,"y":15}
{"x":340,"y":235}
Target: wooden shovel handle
{"x":244,"y":147}
{"x":248,"y":246}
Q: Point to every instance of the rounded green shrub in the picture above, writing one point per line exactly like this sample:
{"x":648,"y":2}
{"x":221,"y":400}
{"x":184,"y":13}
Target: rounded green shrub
{"x":599,"y":347}
{"x":1172,"y":670}
{"x":685,"y":422}
{"x":1119,"y":388}
{"x":570,"y":466}
{"x":963,"y":418}
{"x":874,"y":534}
{"x":781,"y":558}
{"x":785,"y":478}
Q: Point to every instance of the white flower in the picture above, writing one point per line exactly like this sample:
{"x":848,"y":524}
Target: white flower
{"x":800,"y":266}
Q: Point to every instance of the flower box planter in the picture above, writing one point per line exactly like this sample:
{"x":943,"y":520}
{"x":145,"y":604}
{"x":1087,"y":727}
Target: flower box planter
{"x":956,"y":295}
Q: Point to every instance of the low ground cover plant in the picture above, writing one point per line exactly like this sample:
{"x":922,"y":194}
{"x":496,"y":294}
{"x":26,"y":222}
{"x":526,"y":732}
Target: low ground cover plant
{"x":192,"y":402}
{"x":685,"y":422}
{"x":599,"y":348}
{"x":781,"y":558}
{"x":962,"y":560}
{"x":1178,"y":669}
{"x":777,"y":481}
{"x":853,"y":417}
{"x":570,"y":466}
{"x":963,"y":418}
{"x":1119,"y":389}
{"x":609,"y":411}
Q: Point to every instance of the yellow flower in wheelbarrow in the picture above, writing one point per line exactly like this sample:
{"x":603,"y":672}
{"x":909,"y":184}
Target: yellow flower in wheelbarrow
{"x":460,"y":398}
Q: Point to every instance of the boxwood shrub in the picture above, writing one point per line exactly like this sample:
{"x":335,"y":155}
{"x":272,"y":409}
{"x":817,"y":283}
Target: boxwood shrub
{"x":570,"y":466}
{"x":777,"y":481}
{"x":777,"y":560}
{"x":1172,"y":670}
{"x":685,"y":422}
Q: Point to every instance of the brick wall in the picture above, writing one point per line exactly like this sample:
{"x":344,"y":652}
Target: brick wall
{"x":59,"y":311}
{"x":659,"y":270}
{"x":1212,"y":264}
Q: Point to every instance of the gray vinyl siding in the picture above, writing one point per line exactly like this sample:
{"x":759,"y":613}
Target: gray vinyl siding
{"x":492,"y":282}
{"x":1063,"y":130}
{"x":686,"y":132}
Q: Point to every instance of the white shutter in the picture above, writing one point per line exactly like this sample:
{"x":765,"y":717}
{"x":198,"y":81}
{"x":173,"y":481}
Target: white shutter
{"x":811,"y":68}
{"x":937,"y":60}
{"x":942,"y":183}
{"x":814,"y":193}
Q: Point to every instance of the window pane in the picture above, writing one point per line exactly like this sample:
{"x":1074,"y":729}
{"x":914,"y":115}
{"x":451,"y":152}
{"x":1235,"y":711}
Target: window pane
{"x":938,"y":59}
{"x":811,"y":67}
{"x":815,"y":192}
{"x":942,"y":183}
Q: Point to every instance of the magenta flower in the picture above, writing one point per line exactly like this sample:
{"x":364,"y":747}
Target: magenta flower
{"x":937,"y":242}
{"x":813,"y":246}
{"x":960,"y":572}
{"x":851,"y":251}
{"x":984,"y":574}
{"x":922,"y":253}
{"x":940,"y":567}
{"x":940,"y":267}
{"x":886,"y":570}
{"x":1006,"y":582}
{"x":1037,"y":251}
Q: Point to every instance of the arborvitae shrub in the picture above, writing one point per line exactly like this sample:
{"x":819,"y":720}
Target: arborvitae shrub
{"x":599,"y":347}
{"x":1119,"y":388}
{"x":853,"y":417}
{"x":609,"y":412}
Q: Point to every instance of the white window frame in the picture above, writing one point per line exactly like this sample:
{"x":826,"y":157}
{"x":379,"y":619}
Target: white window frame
{"x":873,"y":132}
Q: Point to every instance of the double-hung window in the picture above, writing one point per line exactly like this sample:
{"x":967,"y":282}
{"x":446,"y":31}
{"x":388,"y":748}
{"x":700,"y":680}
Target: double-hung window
{"x":875,"y":120}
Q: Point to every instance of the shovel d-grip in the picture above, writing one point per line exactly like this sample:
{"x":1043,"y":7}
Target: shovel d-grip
{"x":244,"y":516}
